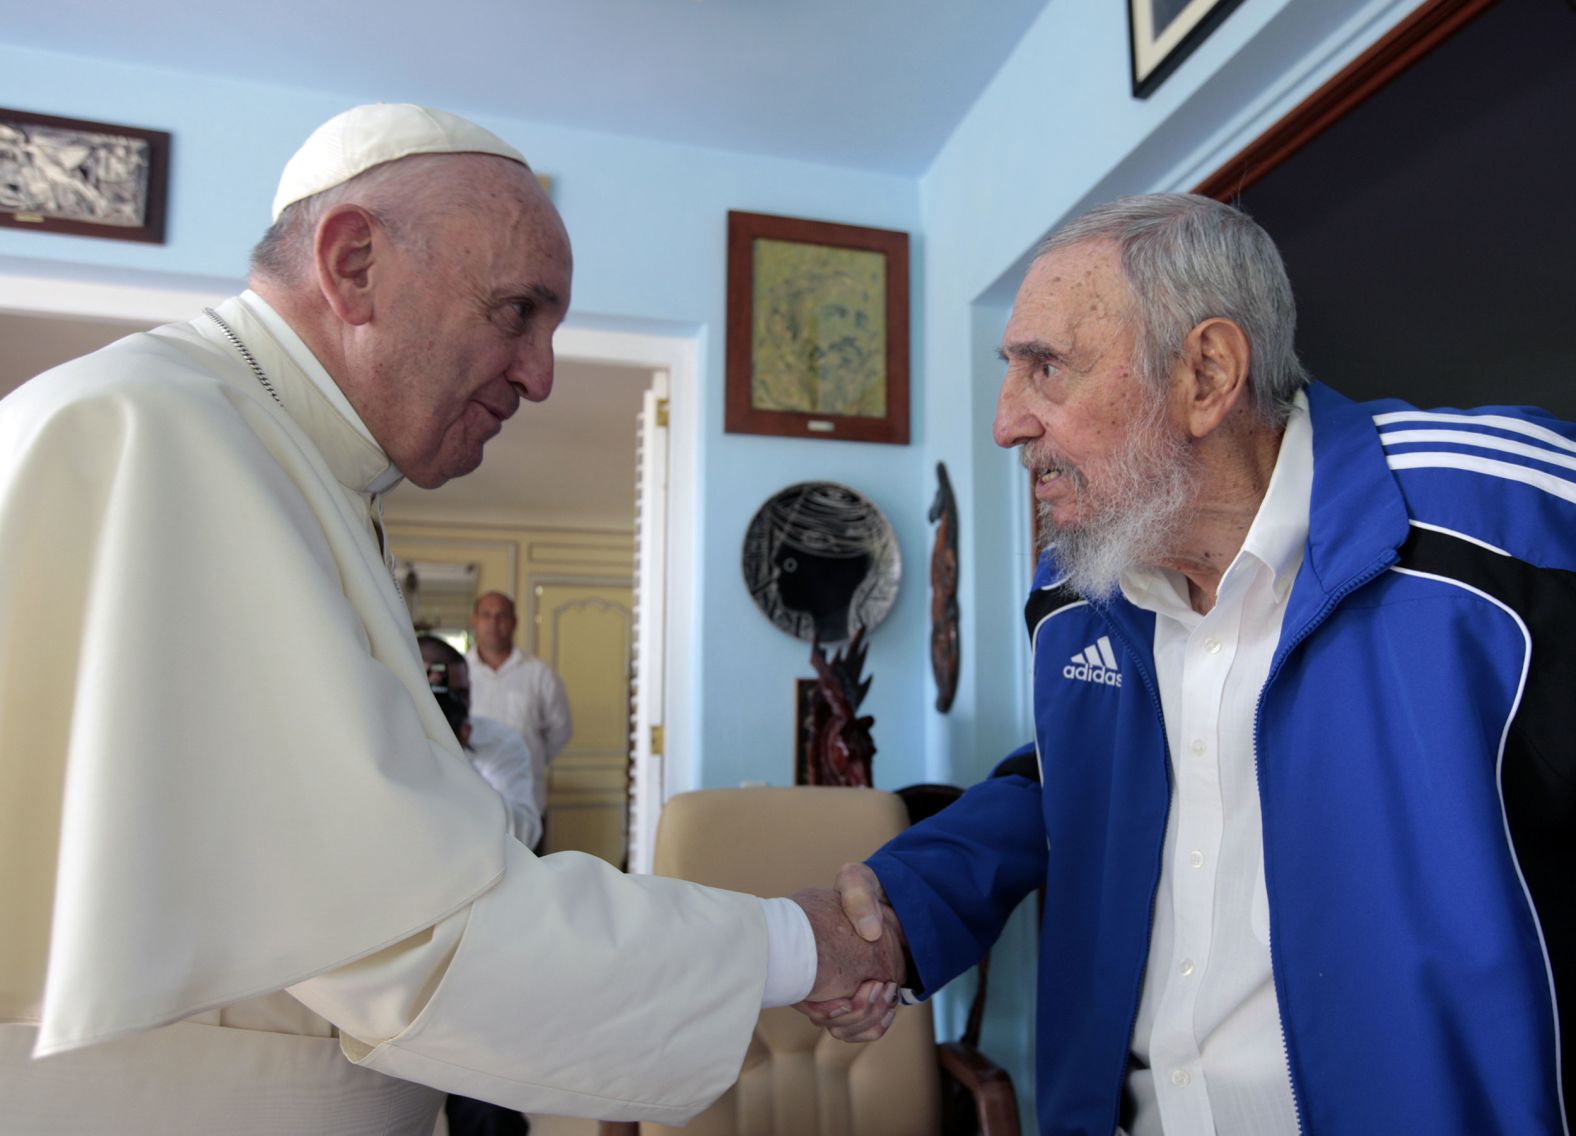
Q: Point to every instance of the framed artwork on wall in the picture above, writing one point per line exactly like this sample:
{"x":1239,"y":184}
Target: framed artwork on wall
{"x":88,"y":179}
{"x":1162,"y":33}
{"x":817,"y":330}
{"x":821,"y":561}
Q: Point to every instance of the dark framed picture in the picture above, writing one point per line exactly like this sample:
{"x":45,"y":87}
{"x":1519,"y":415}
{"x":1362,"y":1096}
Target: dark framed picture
{"x":817,"y":330}
{"x":89,"y":179}
{"x":1162,"y":33}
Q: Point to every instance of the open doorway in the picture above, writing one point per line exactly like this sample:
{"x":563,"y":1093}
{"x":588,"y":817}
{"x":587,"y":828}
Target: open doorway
{"x":556,"y":495}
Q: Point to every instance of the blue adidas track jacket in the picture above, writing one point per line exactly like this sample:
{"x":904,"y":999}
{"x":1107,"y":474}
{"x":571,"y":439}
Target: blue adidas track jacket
{"x":1415,"y":744}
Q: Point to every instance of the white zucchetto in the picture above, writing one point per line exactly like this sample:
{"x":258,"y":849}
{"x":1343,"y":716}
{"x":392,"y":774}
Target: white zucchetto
{"x":353,"y":142}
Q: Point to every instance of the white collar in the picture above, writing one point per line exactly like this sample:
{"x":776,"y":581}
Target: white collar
{"x":301,"y":355}
{"x":1279,"y":533}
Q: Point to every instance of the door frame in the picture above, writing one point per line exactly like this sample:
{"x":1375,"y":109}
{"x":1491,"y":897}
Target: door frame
{"x":1410,"y":40}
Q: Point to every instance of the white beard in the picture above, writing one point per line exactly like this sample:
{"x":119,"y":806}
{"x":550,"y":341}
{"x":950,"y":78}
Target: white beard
{"x":1142,"y":502}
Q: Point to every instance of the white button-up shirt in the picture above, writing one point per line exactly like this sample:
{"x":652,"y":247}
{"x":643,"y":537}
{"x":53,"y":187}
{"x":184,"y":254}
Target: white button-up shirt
{"x":1208,"y":1055}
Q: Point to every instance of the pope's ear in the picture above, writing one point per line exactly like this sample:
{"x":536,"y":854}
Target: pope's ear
{"x":345,"y":249}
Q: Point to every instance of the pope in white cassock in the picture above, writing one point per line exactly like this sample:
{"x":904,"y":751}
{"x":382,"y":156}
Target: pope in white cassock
{"x":228,"y":865}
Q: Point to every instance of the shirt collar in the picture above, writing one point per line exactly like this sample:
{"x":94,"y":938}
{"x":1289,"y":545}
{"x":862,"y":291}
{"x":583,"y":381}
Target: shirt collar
{"x":1279,"y":533}
{"x":301,"y":355}
{"x":1276,"y":538}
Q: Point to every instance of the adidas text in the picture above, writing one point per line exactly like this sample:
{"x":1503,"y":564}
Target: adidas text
{"x":1096,"y":663}
{"x":1092,"y":674}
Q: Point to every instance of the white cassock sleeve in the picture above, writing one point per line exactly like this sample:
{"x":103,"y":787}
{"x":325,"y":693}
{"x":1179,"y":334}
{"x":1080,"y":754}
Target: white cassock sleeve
{"x":527,"y":998}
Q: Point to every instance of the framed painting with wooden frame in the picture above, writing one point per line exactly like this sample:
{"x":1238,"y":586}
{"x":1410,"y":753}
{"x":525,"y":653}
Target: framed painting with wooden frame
{"x":1162,"y":33}
{"x":817,"y":330}
{"x":88,"y":179}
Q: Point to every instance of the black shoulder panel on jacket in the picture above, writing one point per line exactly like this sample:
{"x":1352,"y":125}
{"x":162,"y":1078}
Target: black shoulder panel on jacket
{"x":1538,"y":771}
{"x":1020,"y":763}
{"x":1043,"y":601}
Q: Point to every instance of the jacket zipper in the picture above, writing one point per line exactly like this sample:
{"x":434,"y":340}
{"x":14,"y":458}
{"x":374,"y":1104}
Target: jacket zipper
{"x":1281,"y":655}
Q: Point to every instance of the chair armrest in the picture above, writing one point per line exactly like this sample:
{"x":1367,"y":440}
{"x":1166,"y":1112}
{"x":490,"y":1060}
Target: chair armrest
{"x":987,"y":1084}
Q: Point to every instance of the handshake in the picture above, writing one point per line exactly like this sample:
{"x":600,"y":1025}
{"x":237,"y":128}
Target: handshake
{"x":860,"y":956}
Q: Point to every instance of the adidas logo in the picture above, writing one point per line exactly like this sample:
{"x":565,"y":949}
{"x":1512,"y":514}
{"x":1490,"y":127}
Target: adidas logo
{"x":1095,"y":663}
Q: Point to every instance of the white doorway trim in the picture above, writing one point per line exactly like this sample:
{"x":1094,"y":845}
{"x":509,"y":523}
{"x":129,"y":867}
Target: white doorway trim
{"x":678,"y":355}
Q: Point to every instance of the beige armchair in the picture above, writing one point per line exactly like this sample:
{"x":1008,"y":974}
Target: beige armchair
{"x":796,"y":1079}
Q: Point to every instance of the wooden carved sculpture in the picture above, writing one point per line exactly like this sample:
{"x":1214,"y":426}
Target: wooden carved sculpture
{"x":946,"y":651}
{"x":841,"y":748}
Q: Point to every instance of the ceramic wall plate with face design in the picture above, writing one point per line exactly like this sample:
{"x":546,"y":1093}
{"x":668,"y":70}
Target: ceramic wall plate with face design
{"x":821,"y":560}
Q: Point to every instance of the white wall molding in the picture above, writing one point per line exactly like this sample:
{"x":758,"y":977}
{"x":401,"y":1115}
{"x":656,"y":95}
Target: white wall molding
{"x":94,"y":299}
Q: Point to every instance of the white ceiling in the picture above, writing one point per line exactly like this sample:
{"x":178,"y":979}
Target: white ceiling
{"x":875,"y":84}
{"x":567,"y":462}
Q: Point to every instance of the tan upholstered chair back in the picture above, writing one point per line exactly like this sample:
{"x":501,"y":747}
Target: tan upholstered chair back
{"x":797,"y":1080}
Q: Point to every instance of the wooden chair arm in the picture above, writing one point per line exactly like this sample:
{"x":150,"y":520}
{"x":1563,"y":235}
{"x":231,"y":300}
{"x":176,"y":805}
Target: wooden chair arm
{"x":988,"y":1084}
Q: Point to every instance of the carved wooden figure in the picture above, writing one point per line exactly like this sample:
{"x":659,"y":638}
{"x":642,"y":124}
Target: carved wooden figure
{"x":946,"y":652}
{"x":841,"y":747}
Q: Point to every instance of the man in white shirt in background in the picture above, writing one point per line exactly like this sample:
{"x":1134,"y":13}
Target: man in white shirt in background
{"x":517,"y":689}
{"x":494,"y":750}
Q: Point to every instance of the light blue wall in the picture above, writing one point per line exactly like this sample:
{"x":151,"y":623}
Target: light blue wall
{"x":648,"y":222}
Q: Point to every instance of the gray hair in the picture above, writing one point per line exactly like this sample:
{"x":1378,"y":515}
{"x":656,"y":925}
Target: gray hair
{"x":1187,"y":259}
{"x":406,"y":196}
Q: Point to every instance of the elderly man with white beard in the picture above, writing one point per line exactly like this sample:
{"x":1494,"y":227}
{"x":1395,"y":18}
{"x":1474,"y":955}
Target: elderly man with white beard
{"x":1299,"y":795}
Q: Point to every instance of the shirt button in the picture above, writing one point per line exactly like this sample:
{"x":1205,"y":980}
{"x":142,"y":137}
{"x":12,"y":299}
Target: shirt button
{"x":1179,"y":1077}
{"x":1195,"y":858}
{"x":1198,"y":745}
{"x":1212,"y":645}
{"x":1186,"y":968}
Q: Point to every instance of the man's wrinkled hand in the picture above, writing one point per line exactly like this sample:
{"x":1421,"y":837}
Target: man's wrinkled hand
{"x":864,"y":1010}
{"x":866,"y":1016}
{"x":844,"y":959}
